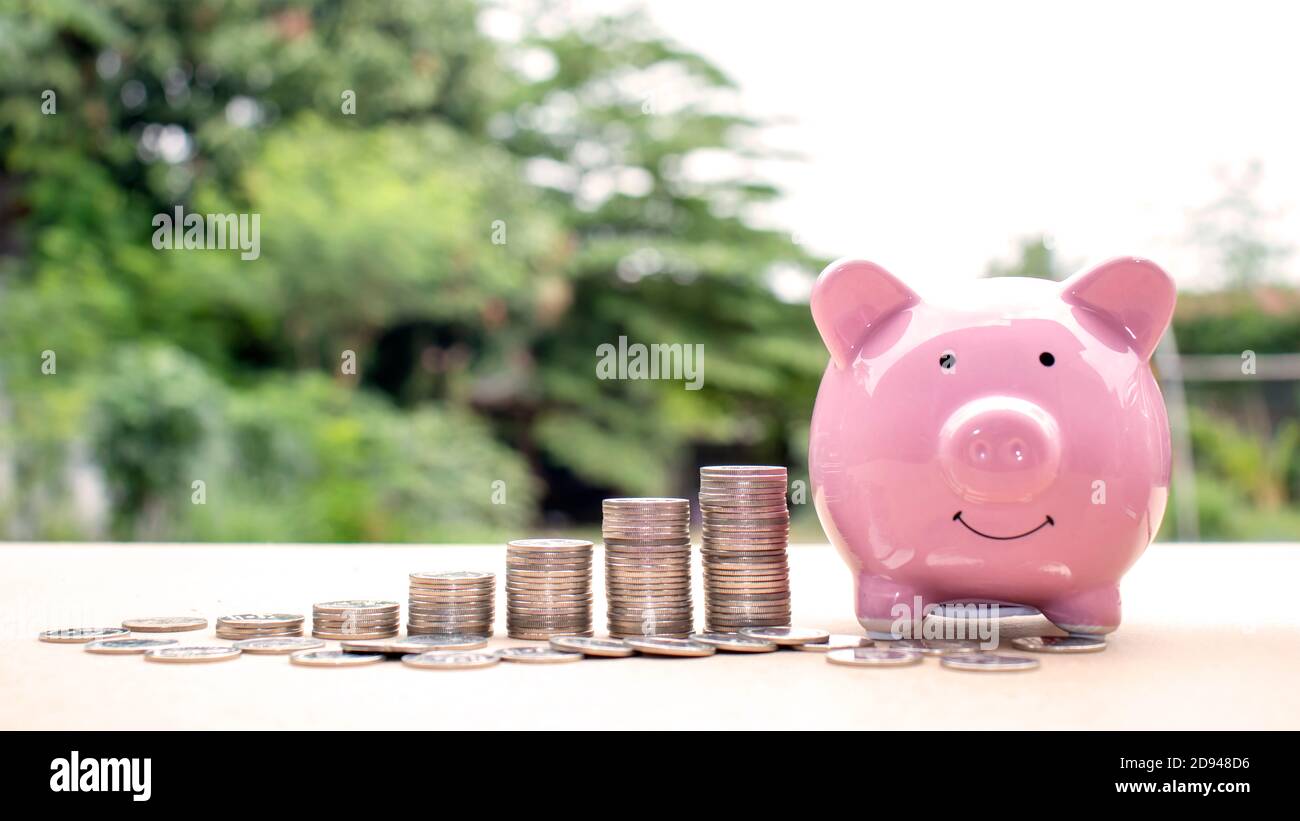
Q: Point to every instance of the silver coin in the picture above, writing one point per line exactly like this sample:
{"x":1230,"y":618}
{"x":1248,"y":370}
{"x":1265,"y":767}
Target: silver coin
{"x":333,"y":658}
{"x":278,"y":645}
{"x":550,"y":544}
{"x":441,"y":660}
{"x":929,"y":647}
{"x":126,"y":647}
{"x":1060,"y":644}
{"x":355,"y":606}
{"x":455,"y":576}
{"x":658,"y":646}
{"x":987,"y":662}
{"x":605,"y":648}
{"x":81,"y":635}
{"x":836,"y":641}
{"x":260,"y":619}
{"x":734,"y":643}
{"x":165,"y":624}
{"x":415,"y":644}
{"x":192,"y":654}
{"x":873,"y":657}
{"x":537,"y":655}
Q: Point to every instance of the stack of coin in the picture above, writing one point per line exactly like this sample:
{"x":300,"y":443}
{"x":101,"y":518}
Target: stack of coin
{"x":746,"y":528}
{"x":445,"y":604}
{"x":648,"y":567}
{"x":355,"y":619}
{"x":548,"y":588}
{"x":259,"y":626}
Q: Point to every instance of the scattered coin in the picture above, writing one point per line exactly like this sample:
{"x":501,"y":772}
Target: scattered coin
{"x":126,"y":647}
{"x":930,"y":647}
{"x":81,"y":635}
{"x":537,"y":655}
{"x":333,"y":658}
{"x":278,"y":645}
{"x":192,"y":654}
{"x":655,"y":646}
{"x":786,"y":636}
{"x":165,"y":624}
{"x":440,"y":660}
{"x":414,"y":644}
{"x":1060,"y":644}
{"x":605,"y":648}
{"x":873,"y":657}
{"x":987,"y":662}
{"x":733,"y":643}
{"x":836,"y":641}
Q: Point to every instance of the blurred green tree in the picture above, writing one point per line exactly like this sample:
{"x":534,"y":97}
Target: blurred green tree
{"x":468,"y":217}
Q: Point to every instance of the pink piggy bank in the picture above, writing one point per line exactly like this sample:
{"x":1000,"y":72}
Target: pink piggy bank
{"x":1007,"y":444}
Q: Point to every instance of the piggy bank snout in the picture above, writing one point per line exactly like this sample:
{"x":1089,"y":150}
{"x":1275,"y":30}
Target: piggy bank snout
{"x":1000,"y":449}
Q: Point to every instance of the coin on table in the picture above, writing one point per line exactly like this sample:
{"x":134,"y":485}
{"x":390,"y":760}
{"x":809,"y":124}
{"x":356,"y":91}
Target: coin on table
{"x":263,"y":619}
{"x":1060,"y":644}
{"x":165,"y":624}
{"x":450,"y":660}
{"x":278,"y":645}
{"x":192,"y":654}
{"x":415,"y":644}
{"x":930,"y":647}
{"x":873,"y":657}
{"x":658,"y":646}
{"x":730,"y":643}
{"x":987,"y":662}
{"x":786,"y":636}
{"x":835,"y":641}
{"x":333,"y":658}
{"x":126,"y":647}
{"x":81,"y":635}
{"x":605,"y":648}
{"x":537,"y":655}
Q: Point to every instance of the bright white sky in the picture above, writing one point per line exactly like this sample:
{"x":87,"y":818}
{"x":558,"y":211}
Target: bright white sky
{"x":936,"y":134}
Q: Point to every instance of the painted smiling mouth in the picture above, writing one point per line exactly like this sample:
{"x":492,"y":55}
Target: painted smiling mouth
{"x":1048,"y":520}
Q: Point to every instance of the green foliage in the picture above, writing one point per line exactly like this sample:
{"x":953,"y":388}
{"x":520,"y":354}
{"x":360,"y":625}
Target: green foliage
{"x":406,"y":235}
{"x":1038,"y":259}
{"x":1246,"y":489}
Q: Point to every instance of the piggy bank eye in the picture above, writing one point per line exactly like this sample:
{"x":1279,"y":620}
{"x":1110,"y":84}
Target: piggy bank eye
{"x":948,"y":362}
{"x":1047,"y":359}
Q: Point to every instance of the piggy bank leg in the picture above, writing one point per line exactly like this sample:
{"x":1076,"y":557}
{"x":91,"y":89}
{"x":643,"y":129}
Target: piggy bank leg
{"x":883,"y":605}
{"x":1092,"y":612}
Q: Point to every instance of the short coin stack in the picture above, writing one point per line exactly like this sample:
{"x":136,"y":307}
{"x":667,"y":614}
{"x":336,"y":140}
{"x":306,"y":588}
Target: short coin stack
{"x":457,"y":603}
{"x":258,"y":626}
{"x":746,"y":528}
{"x":548,"y":588}
{"x":355,"y":619}
{"x":648,"y":567}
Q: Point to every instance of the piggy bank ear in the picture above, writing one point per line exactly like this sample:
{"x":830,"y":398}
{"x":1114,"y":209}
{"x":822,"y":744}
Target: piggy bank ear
{"x":850,"y":300}
{"x":1135,"y":294}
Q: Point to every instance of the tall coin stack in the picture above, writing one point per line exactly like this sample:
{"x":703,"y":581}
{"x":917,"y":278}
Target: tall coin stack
{"x":648,"y":567}
{"x":458,"y":603}
{"x":259,"y":626}
{"x":746,"y":529}
{"x":355,"y":619}
{"x":548,"y":588}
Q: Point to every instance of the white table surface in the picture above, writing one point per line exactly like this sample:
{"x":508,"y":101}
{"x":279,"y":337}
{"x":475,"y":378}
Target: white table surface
{"x":1210,"y":640}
